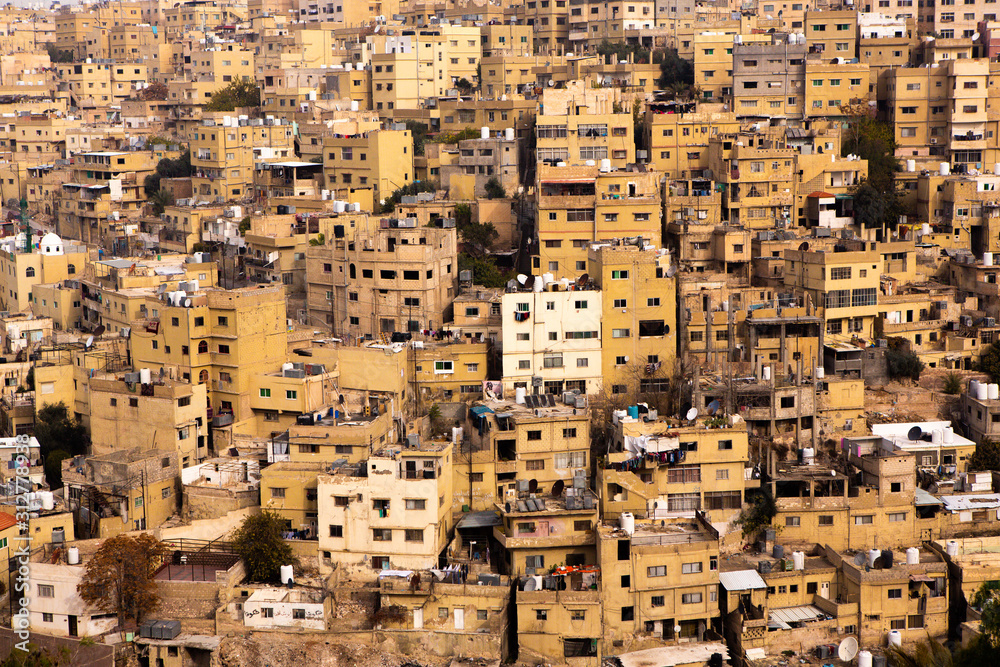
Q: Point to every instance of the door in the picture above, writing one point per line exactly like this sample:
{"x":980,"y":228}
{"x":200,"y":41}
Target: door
{"x":824,"y":590}
{"x":460,"y":619}
{"x":418,"y":619}
{"x":72,"y":626}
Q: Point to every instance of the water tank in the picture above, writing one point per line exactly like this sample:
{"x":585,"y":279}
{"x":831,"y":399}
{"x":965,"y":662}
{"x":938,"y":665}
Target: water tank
{"x":996,"y":169}
{"x":605,"y":165}
{"x":895,"y":638}
{"x":945,"y":169}
{"x":354,"y":105}
{"x":925,"y":229}
{"x":951,"y":548}
{"x":509,"y":134}
{"x":145,"y":376}
{"x":820,"y":372}
{"x":628,"y":522}
{"x":987,"y":259}
{"x":982,"y":391}
{"x":519,"y":394}
{"x":456,"y":434}
{"x":484,"y":133}
{"x":633,"y":411}
{"x":873,"y":555}
{"x":73,"y":556}
{"x":356,"y":206}
{"x":48,"y":500}
{"x":973,"y":388}
{"x":913,"y":556}
{"x":591,"y":163}
{"x":911,"y":165}
{"x":993,"y":391}
{"x":618,"y":415}
{"x":949,"y":435}
{"x":339,"y":206}
{"x":539,"y":284}
{"x":865,"y":659}
{"x":778,"y":552}
{"x":937,"y":436}
{"x":287,"y":572}
{"x":548,"y":278}
{"x":808,"y":455}
{"x":798,"y":560}
{"x":767,"y":373}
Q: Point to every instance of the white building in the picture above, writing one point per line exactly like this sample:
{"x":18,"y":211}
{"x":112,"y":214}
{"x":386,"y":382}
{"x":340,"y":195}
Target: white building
{"x":54,"y":608}
{"x":283,"y":608}
{"x":552,"y":339}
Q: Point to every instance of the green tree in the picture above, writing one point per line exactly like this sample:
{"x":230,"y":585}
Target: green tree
{"x":986,"y":456}
{"x":479,"y":237}
{"x":389,"y":203}
{"x":903,"y":364}
{"x":418,"y":131}
{"x":494,"y":190}
{"x":952,"y":384}
{"x":260,"y":544}
{"x":38,"y":657}
{"x":759,"y":514}
{"x":154,"y":92}
{"x":875,"y":208}
{"x":464,"y":86}
{"x":159,"y":200}
{"x":319,"y":240}
{"x":119,"y":578}
{"x":463,"y":215}
{"x":455,"y":137}
{"x":989,"y":363}
{"x":237,"y":94}
{"x":674,"y":69}
{"x":977,"y":653}
{"x":168,"y":168}
{"x":872,"y":140}
{"x":53,"y":467}
{"x":56,"y":431}
{"x":931,"y":653}
{"x":485,"y":271}
{"x":244,"y":226}
{"x":57,"y":55}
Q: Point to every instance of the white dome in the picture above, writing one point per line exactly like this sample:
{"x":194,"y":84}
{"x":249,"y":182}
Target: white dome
{"x":51,"y":244}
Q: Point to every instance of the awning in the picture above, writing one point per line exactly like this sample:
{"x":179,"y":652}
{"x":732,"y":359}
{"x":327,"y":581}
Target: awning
{"x":921,"y":498}
{"x":405,"y":574}
{"x":479,"y":410}
{"x":784,"y":618}
{"x":922,"y":578}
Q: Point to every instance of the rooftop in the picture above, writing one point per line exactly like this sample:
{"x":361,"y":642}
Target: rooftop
{"x":673,"y":656}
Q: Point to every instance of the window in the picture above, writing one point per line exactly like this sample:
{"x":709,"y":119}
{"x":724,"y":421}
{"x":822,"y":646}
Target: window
{"x":441,"y":367}
{"x":46,"y":618}
{"x":417,"y":503}
{"x":277,"y":492}
{"x":792,"y":521}
{"x":895,"y":593}
{"x":691,"y":568}
{"x":825,"y":520}
{"x":541,"y":614}
{"x":691,"y":598}
{"x":619,"y":275}
{"x":897,"y":516}
{"x":265,"y":393}
{"x":864,"y":520}
{"x":382,"y":534}
{"x":414,"y":535}
{"x":840,"y":273}
{"x":619,"y":333}
{"x":336,"y":531}
{"x":656,"y":571}
{"x":46,"y":591}
{"x":534,"y":464}
{"x":721,"y":474}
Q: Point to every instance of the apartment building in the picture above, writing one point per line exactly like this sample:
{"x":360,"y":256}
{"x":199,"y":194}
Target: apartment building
{"x":768,"y":77}
{"x":832,"y":85}
{"x":580,"y":134}
{"x":51,"y":261}
{"x":385,"y":280}
{"x":638,"y":298}
{"x":758,"y":178}
{"x":392,"y":511}
{"x":714,"y":61}
{"x":677,"y":135}
{"x":290,"y":489}
{"x":224,"y":338}
{"x":40,"y":138}
{"x":161,"y":415}
{"x":380,"y":161}
{"x":552,"y":339}
{"x":479,"y":161}
{"x":832,"y":33}
{"x":580,"y":205}
{"x":593,"y":22}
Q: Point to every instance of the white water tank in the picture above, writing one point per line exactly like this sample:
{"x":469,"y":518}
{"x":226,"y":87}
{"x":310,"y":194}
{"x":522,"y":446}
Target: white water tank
{"x":973,"y":387}
{"x":548,"y":278}
{"x":820,"y":372}
{"x":808,"y":456}
{"x":73,"y":556}
{"x":951,"y":548}
{"x":925,"y":229}
{"x":873,"y":555}
{"x":911,"y":165}
{"x":799,"y":560}
{"x":538,"y":285}
{"x":605,"y":165}
{"x":913,"y":556}
{"x":339,"y":206}
{"x":354,"y":105}
{"x":766,"y":372}
{"x":484,"y":133}
{"x":865,"y":659}
{"x":287,"y":366}
{"x":628,"y":522}
{"x":937,"y":436}
{"x":509,"y":134}
{"x":996,"y":168}
{"x":590,"y":163}
{"x":287,"y":574}
{"x":987,"y":259}
{"x":895,"y":638}
{"x":48,"y":500}
{"x":945,"y":169}
{"x":356,"y":206}
{"x":949,"y":435}
{"x":982,"y":391}
{"x":519,"y":394}
{"x":145,"y":376}
{"x":456,"y":434}
{"x":993,"y":392}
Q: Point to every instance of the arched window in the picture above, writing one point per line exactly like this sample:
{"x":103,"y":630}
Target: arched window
{"x":203,"y":376}
{"x":354,"y":273}
{"x":30,"y":272}
{"x":70,"y":269}
{"x":202,"y":347}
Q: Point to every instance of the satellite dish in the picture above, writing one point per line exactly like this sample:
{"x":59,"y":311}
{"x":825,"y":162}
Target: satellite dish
{"x":847,"y":649}
{"x":99,"y":330}
{"x":804,"y":246}
{"x":530,"y":584}
{"x":915,"y":433}
{"x":521,"y":278}
{"x":859,"y":559}
{"x":533,"y":486}
{"x":692,"y":414}
{"x":557,"y":488}
{"x":713,"y":407}
{"x":671,"y":271}
{"x":90,"y":341}
{"x":975,"y":36}
{"x":582,"y":280}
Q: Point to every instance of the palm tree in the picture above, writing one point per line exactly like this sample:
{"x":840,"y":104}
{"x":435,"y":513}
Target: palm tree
{"x":161,"y":199}
{"x":319,"y":240}
{"x":931,"y":653}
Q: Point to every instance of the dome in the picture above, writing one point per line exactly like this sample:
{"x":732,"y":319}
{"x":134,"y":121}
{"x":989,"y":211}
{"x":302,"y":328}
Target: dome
{"x":51,"y":244}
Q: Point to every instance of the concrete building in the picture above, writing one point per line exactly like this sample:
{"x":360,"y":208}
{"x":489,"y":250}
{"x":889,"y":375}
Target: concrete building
{"x":53,"y":261}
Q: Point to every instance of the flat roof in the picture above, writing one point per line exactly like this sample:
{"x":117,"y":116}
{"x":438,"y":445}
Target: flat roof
{"x":899,"y":435}
{"x":741,"y":580}
{"x":671,"y":656}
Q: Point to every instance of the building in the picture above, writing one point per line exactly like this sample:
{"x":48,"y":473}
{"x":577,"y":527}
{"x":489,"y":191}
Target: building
{"x":52,"y":261}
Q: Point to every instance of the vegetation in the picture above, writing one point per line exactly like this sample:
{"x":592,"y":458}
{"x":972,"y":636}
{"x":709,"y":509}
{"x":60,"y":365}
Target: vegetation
{"x":236,"y":95}
{"x":319,"y":240}
{"x":478,"y":236}
{"x":952,"y":384}
{"x":986,"y":456}
{"x":872,"y":140}
{"x":57,"y":55}
{"x":160,"y":200}
{"x":622,"y":51}
{"x":902,"y":362}
{"x":168,"y":168}
{"x":759,"y":514}
{"x":59,"y":437}
{"x":494,"y":190}
{"x":987,"y":591}
{"x":931,"y":653}
{"x":464,"y":86}
{"x":119,"y":578}
{"x":154,"y":92}
{"x":485,"y":271}
{"x":244,"y":225}
{"x":259,"y":542}
{"x":389,"y":203}
{"x":419,"y":133}
{"x":989,"y":363}
{"x":38,"y":657}
{"x":454,"y":137}
{"x":675,"y":70}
